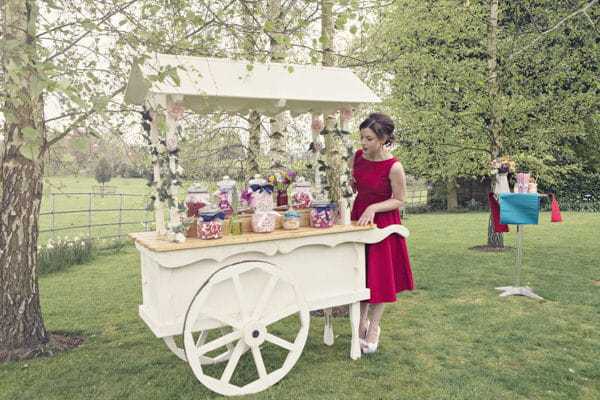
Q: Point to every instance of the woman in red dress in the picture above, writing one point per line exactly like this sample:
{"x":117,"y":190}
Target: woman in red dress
{"x":381,"y":189}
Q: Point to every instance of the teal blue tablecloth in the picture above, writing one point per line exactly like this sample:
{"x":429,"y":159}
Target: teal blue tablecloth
{"x":519,"y":208}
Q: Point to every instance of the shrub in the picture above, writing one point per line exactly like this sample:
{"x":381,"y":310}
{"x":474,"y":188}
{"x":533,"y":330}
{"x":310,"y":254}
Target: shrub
{"x":62,"y":253}
{"x":576,"y":192}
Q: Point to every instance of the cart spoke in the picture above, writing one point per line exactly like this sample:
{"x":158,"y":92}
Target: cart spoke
{"x":220,"y":342}
{"x":241,"y":298}
{"x":223,"y":333}
{"x":280,"y":342}
{"x":258,"y":360}
{"x":264,"y":298}
{"x":201,"y":338}
{"x":233,"y":361}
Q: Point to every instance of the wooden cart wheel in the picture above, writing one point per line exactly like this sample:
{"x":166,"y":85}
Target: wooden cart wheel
{"x":249,"y":297}
{"x":180,"y":352}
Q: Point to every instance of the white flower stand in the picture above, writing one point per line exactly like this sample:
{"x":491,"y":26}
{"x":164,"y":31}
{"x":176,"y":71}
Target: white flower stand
{"x":223,"y":296}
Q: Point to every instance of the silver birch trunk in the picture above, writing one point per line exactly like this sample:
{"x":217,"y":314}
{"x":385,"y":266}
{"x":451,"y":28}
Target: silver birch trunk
{"x":277,"y":137}
{"x":333,"y":142}
{"x":254,"y":118}
{"x":22,"y":327}
{"x":495,"y":240}
{"x":253,"y":143}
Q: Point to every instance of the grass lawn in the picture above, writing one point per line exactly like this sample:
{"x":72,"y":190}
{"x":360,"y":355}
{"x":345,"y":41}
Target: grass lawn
{"x":453,"y":337}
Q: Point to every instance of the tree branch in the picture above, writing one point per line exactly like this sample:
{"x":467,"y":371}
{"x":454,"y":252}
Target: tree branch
{"x":555,"y":27}
{"x":81,"y":118}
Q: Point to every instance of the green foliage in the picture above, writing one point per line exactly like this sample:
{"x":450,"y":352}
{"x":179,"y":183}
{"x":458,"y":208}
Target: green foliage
{"x":433,"y":56}
{"x":578,"y":191}
{"x":103,"y":171}
{"x":59,"y":254}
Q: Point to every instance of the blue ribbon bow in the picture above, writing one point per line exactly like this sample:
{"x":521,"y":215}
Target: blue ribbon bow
{"x":332,"y":207}
{"x":261,"y":188}
{"x":220,"y":215}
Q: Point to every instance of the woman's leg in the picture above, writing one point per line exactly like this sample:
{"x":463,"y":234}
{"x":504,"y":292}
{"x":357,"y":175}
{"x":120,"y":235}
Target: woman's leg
{"x":362,"y":326}
{"x":376,"y":314}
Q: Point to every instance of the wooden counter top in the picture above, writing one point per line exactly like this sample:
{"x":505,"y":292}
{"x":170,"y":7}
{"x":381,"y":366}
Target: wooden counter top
{"x":155,"y":242}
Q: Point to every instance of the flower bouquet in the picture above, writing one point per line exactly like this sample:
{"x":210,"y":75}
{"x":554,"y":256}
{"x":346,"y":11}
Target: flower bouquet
{"x":503,"y":165}
{"x":281,"y":181}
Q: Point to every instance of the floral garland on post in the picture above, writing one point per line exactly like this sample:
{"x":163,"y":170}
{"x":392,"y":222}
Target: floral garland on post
{"x":346,"y":115}
{"x":317,"y":148}
{"x":165,"y":154}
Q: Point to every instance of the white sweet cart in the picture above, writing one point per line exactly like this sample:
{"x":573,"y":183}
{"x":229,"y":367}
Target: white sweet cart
{"x":226,"y":296}
{"x":237,"y":308}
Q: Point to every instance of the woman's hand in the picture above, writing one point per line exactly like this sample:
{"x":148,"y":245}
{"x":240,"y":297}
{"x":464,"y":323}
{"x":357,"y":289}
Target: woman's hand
{"x":367,"y":217}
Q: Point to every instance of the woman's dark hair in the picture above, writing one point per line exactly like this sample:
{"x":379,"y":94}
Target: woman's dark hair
{"x":382,"y":125}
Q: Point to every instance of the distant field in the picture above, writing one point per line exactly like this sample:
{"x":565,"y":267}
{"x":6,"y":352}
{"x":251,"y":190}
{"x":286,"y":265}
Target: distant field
{"x":95,"y":209}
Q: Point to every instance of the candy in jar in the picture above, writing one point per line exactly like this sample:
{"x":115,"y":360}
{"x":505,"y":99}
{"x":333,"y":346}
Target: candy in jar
{"x":322,"y":214}
{"x":261,"y":193}
{"x":290,"y":220}
{"x":196,"y":198}
{"x":302,"y":195}
{"x":224,"y":193}
{"x":210,"y":223}
{"x":263,"y":220}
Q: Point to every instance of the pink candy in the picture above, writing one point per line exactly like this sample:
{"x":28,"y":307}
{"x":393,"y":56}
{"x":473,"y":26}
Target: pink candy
{"x":210,"y":229}
{"x":262,"y":199}
{"x":301,"y":199}
{"x":263,"y":222}
{"x":321,"y":219}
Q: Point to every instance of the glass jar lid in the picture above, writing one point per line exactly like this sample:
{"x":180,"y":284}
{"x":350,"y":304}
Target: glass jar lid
{"x":321,"y":200}
{"x":210,"y":209}
{"x":226,"y":183}
{"x":257,"y":180}
{"x":301,"y":182}
{"x":197,"y":188}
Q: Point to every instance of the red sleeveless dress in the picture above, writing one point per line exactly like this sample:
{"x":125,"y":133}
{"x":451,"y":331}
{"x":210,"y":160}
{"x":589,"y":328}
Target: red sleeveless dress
{"x":388,"y":265}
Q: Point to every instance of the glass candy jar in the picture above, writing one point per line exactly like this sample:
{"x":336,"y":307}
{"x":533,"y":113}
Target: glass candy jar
{"x":302,"y":194}
{"x":224,"y":194}
{"x":210,"y":223}
{"x":263,"y":220}
{"x":290,"y":220}
{"x":261,"y":193}
{"x":197,"y":197}
{"x":323,"y":213}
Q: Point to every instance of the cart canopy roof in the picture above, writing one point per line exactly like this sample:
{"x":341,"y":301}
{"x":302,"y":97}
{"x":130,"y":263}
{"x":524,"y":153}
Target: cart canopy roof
{"x":212,"y":84}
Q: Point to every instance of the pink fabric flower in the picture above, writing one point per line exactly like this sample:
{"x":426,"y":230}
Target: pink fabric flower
{"x":175,"y":110}
{"x":172,"y":143}
{"x":317,"y":125}
{"x":347,"y":114}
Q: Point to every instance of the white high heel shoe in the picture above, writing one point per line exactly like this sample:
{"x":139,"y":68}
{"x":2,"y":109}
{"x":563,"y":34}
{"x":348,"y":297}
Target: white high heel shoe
{"x":369,"y":348}
{"x":362,"y":342}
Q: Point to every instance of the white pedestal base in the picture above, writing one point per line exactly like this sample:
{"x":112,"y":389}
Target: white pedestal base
{"x":519,"y":291}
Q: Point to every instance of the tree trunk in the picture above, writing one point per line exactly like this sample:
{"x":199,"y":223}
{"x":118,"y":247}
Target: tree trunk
{"x":333,"y":142}
{"x":452,"y":196}
{"x":253,"y":144}
{"x":253,"y":153}
{"x":22,"y":328}
{"x":277,"y":137}
{"x":495,"y":124}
